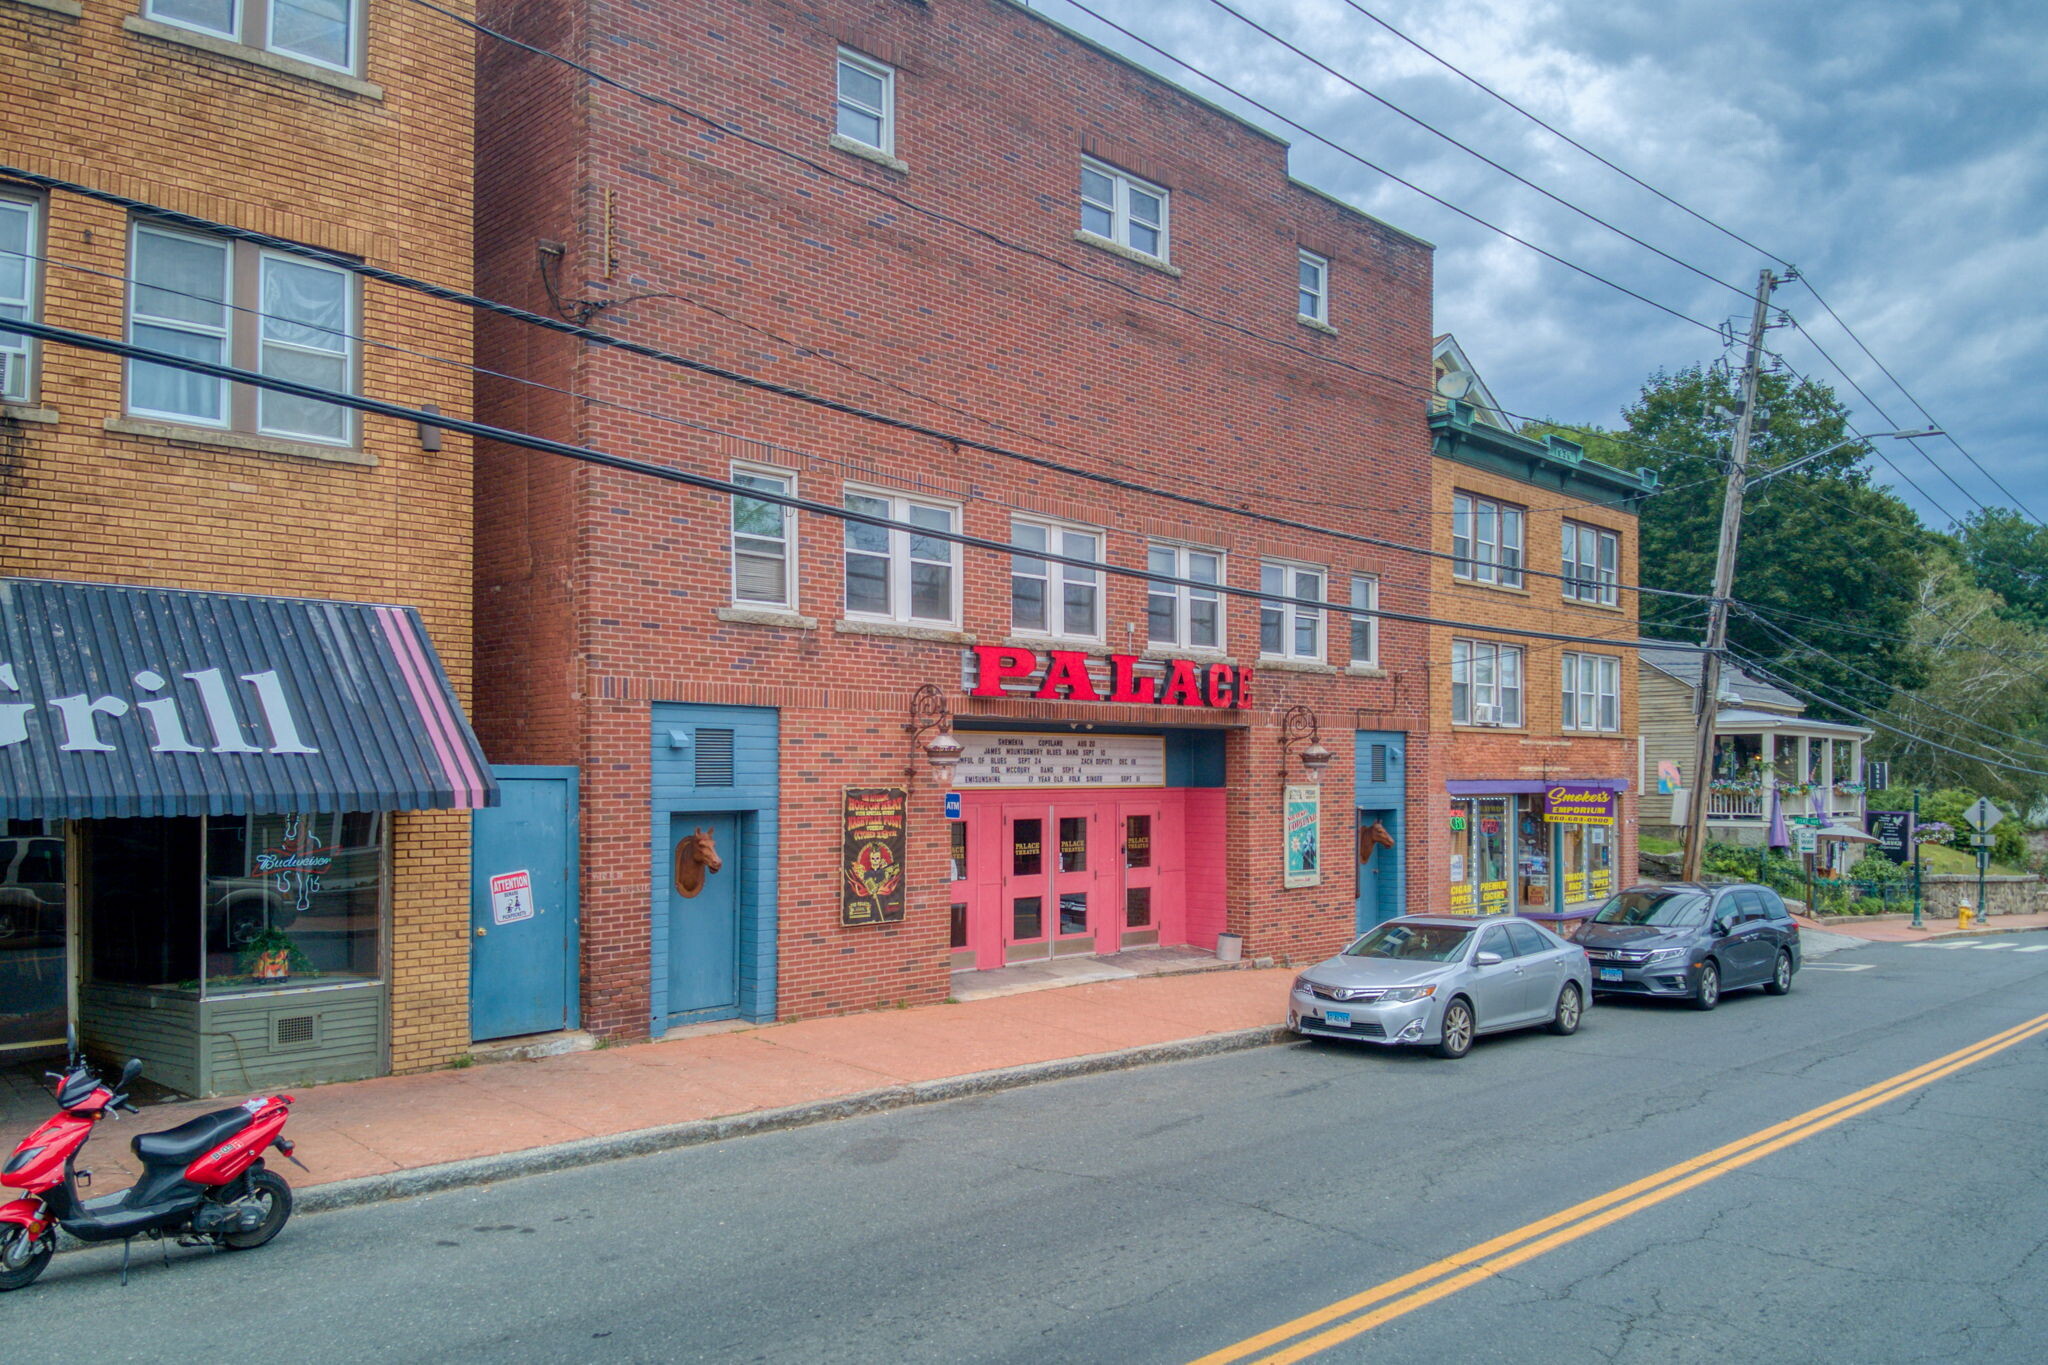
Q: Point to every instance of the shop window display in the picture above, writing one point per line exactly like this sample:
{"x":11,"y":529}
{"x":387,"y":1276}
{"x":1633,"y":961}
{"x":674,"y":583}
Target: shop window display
{"x":1480,"y":829}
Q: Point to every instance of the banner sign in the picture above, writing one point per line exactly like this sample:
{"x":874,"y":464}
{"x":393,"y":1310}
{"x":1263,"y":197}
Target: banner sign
{"x":1015,"y":759}
{"x":1303,"y":821}
{"x":1579,"y":805}
{"x":1893,"y":830}
{"x":1070,"y":675}
{"x":872,"y":822}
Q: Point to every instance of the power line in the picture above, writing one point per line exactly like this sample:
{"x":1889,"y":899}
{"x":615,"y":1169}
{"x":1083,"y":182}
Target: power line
{"x":1951,"y":647}
{"x":708,"y":483}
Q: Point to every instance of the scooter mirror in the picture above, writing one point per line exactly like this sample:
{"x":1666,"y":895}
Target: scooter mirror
{"x":130,"y":1072}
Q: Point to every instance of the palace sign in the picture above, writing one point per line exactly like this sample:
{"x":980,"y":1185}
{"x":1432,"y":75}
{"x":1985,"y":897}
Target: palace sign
{"x":1066,"y":675}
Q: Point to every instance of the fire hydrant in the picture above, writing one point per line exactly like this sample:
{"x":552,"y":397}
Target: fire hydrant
{"x":1964,"y":915}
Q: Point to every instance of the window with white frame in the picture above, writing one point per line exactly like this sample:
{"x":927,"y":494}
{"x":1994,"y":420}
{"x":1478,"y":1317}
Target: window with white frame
{"x":1592,"y":692}
{"x":1289,"y":630}
{"x":1592,"y":564}
{"x":205,"y":298}
{"x":1181,"y":616}
{"x":1486,"y":683}
{"x":1486,"y":539}
{"x":323,"y":32}
{"x":1055,"y":599}
{"x":1123,"y":208}
{"x":897,"y":574}
{"x":867,"y":101}
{"x":1313,"y":296}
{"x":19,"y":240}
{"x":763,"y":541}
{"x":1365,"y":630}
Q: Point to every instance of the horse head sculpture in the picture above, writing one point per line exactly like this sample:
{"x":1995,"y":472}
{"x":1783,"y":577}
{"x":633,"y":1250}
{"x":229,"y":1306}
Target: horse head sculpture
{"x":696,"y":855}
{"x":1370,"y":837}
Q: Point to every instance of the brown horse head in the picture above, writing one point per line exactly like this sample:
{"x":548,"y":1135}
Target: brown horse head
{"x":1370,"y":837}
{"x":696,"y":855}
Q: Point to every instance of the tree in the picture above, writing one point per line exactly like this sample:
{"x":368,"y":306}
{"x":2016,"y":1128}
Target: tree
{"x":2008,"y":554}
{"x":1831,"y":560}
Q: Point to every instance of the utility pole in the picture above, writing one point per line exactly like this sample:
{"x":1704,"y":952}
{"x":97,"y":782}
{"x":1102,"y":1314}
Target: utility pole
{"x":1724,"y":581}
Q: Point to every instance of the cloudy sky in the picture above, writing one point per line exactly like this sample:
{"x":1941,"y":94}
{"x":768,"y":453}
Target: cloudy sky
{"x":1894,"y":150}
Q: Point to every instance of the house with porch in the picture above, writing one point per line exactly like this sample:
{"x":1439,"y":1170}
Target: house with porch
{"x":1764,"y":746}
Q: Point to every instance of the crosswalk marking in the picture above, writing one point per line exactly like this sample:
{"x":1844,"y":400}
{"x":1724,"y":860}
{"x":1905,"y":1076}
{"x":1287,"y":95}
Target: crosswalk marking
{"x":2035,"y":948}
{"x":1989,"y":947}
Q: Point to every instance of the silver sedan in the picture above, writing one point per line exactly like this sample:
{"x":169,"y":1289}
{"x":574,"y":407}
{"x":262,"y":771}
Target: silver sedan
{"x":1441,"y":981}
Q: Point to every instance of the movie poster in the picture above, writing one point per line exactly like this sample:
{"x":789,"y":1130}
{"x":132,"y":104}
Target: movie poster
{"x":1304,"y":822}
{"x":871,"y":855}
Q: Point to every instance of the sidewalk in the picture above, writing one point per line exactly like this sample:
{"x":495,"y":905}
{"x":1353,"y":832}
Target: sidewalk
{"x":364,"y":1132}
{"x":1902,"y":930}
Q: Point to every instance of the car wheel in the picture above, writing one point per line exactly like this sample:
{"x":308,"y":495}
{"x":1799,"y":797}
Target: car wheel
{"x":1708,"y":993}
{"x":1457,"y":1030}
{"x":1781,"y":979}
{"x":1571,"y":1008}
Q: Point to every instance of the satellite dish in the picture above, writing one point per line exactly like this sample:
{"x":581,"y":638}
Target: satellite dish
{"x":1454,"y":383}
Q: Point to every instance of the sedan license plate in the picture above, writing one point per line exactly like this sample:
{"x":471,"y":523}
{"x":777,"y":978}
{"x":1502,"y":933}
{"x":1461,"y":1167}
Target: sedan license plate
{"x":1610,"y":973}
{"x":1340,"y":1018}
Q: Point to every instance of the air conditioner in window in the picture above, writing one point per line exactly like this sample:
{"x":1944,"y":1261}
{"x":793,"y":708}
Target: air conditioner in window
{"x":11,"y":367}
{"x":1486,"y":715}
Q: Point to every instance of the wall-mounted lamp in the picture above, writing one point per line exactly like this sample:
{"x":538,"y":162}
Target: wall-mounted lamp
{"x":929,"y":712}
{"x":1298,"y":725}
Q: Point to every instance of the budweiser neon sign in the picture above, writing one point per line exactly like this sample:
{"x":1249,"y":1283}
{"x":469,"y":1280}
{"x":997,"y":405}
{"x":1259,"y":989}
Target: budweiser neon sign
{"x":1065,"y":675}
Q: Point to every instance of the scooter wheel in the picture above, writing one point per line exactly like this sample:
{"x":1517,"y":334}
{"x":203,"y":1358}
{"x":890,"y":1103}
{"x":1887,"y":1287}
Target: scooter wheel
{"x":25,"y":1274}
{"x":269,"y":1193}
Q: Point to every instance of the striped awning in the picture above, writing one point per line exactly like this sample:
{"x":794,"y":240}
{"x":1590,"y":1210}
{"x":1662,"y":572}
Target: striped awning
{"x":128,"y":701}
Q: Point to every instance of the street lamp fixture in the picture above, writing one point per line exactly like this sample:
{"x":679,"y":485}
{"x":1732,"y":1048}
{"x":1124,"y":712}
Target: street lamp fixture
{"x":1790,"y":465}
{"x":929,"y":713}
{"x":1298,"y":725}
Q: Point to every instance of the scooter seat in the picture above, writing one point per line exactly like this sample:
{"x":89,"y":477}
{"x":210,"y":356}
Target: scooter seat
{"x":176,"y":1146}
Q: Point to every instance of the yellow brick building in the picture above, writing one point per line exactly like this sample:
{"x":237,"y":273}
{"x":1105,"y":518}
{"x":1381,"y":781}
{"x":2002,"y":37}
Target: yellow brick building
{"x":346,"y":127}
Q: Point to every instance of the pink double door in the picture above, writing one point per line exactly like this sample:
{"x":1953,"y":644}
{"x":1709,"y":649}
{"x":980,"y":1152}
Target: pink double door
{"x":1055,"y":875}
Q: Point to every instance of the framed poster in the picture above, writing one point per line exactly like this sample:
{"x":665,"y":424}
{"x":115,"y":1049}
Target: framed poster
{"x":1302,"y":820}
{"x":871,"y":883}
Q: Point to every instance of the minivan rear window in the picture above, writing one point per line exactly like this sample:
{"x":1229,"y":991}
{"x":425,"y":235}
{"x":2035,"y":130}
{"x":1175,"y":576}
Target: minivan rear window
{"x":1664,"y":909}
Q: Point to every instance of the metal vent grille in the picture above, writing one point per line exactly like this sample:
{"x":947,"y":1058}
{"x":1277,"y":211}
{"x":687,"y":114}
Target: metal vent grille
{"x":714,"y":758}
{"x":294,"y":1030}
{"x":1379,"y":763}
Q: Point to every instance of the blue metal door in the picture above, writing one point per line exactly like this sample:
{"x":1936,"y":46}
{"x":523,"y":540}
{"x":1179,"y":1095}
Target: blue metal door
{"x":522,"y":906}
{"x":703,"y":916}
{"x":1382,"y":785}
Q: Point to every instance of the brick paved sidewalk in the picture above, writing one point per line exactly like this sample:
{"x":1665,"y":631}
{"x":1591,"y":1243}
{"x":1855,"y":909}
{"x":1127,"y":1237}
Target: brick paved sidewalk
{"x":1902,"y":930}
{"x":396,"y":1123}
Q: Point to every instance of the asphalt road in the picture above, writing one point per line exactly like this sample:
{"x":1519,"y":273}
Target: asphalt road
{"x":1162,"y":1214}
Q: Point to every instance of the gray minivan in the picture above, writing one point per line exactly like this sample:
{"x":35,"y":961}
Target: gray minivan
{"x":1690,"y":941}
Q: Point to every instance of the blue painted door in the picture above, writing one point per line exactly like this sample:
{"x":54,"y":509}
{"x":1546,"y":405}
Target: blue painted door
{"x":703,"y":928}
{"x":1382,"y":784}
{"x":522,"y":906}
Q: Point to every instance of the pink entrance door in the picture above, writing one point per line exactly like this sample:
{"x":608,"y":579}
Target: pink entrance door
{"x":1140,"y":903}
{"x":1026,"y":924}
{"x":1078,"y":884}
{"x":1053,"y":882}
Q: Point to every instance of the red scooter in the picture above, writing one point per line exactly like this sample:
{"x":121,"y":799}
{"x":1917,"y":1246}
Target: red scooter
{"x":203,"y":1182}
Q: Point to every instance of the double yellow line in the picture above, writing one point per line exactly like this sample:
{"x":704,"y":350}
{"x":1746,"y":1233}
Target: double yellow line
{"x":1351,"y":1317}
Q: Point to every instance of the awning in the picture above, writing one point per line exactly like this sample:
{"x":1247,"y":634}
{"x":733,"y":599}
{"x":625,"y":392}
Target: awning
{"x":127,"y":701}
{"x":1509,"y":787}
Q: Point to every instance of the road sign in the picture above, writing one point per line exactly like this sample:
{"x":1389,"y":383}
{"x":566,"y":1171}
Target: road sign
{"x":1983,"y":814}
{"x":1805,"y":839}
{"x":952,"y":805}
{"x":1982,"y":840}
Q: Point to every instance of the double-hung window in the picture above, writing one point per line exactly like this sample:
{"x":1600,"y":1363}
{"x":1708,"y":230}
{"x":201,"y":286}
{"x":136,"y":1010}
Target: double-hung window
{"x":1592,"y":559}
{"x":1055,"y":599}
{"x":867,"y":102}
{"x":1486,"y":540}
{"x":763,"y":542}
{"x":1181,"y":616}
{"x":1365,"y":629}
{"x":1289,"y":630}
{"x":1123,"y":208}
{"x":19,"y":241}
{"x":1486,"y":683}
{"x":323,"y":32}
{"x":1592,"y":692}
{"x":1312,"y":301}
{"x":901,"y":575}
{"x":205,"y":298}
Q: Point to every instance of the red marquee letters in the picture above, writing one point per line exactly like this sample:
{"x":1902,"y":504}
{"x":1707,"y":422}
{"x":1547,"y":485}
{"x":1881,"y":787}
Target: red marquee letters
{"x":1063,"y":675}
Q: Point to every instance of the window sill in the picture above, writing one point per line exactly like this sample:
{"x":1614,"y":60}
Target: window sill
{"x":1613,"y":607}
{"x":766,"y":616}
{"x":70,"y":9}
{"x":1271,"y":665}
{"x":238,"y":440}
{"x":1365,"y":670}
{"x":1489,"y":587}
{"x":22,"y":412}
{"x":1129,"y":253}
{"x":1196,"y":653}
{"x":1315,"y":325}
{"x":896,"y":630}
{"x":1053,"y":642}
{"x":254,"y":56}
{"x":842,"y":143}
{"x":1467,"y":727}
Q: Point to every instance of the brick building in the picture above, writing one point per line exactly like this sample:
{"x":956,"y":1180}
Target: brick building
{"x":1537,"y":740}
{"x":968,"y":218}
{"x":228,"y":849}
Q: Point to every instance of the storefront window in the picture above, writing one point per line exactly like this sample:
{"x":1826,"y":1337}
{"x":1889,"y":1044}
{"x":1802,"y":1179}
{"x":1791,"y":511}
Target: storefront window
{"x":1532,"y":856}
{"x":1481,"y":827}
{"x":233,"y":904}
{"x":31,"y":933}
{"x":1586,"y":857}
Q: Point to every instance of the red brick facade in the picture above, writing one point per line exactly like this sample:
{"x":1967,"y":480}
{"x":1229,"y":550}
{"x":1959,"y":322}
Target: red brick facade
{"x":600,"y":592}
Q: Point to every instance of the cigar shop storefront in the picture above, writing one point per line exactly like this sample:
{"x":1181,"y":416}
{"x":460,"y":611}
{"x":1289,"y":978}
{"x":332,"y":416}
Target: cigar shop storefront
{"x":1547,"y":850}
{"x":200,"y":795}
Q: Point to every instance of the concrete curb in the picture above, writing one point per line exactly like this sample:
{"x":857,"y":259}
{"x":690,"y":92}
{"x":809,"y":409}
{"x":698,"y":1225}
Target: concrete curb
{"x":1970,"y":933}
{"x":370,"y":1189}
